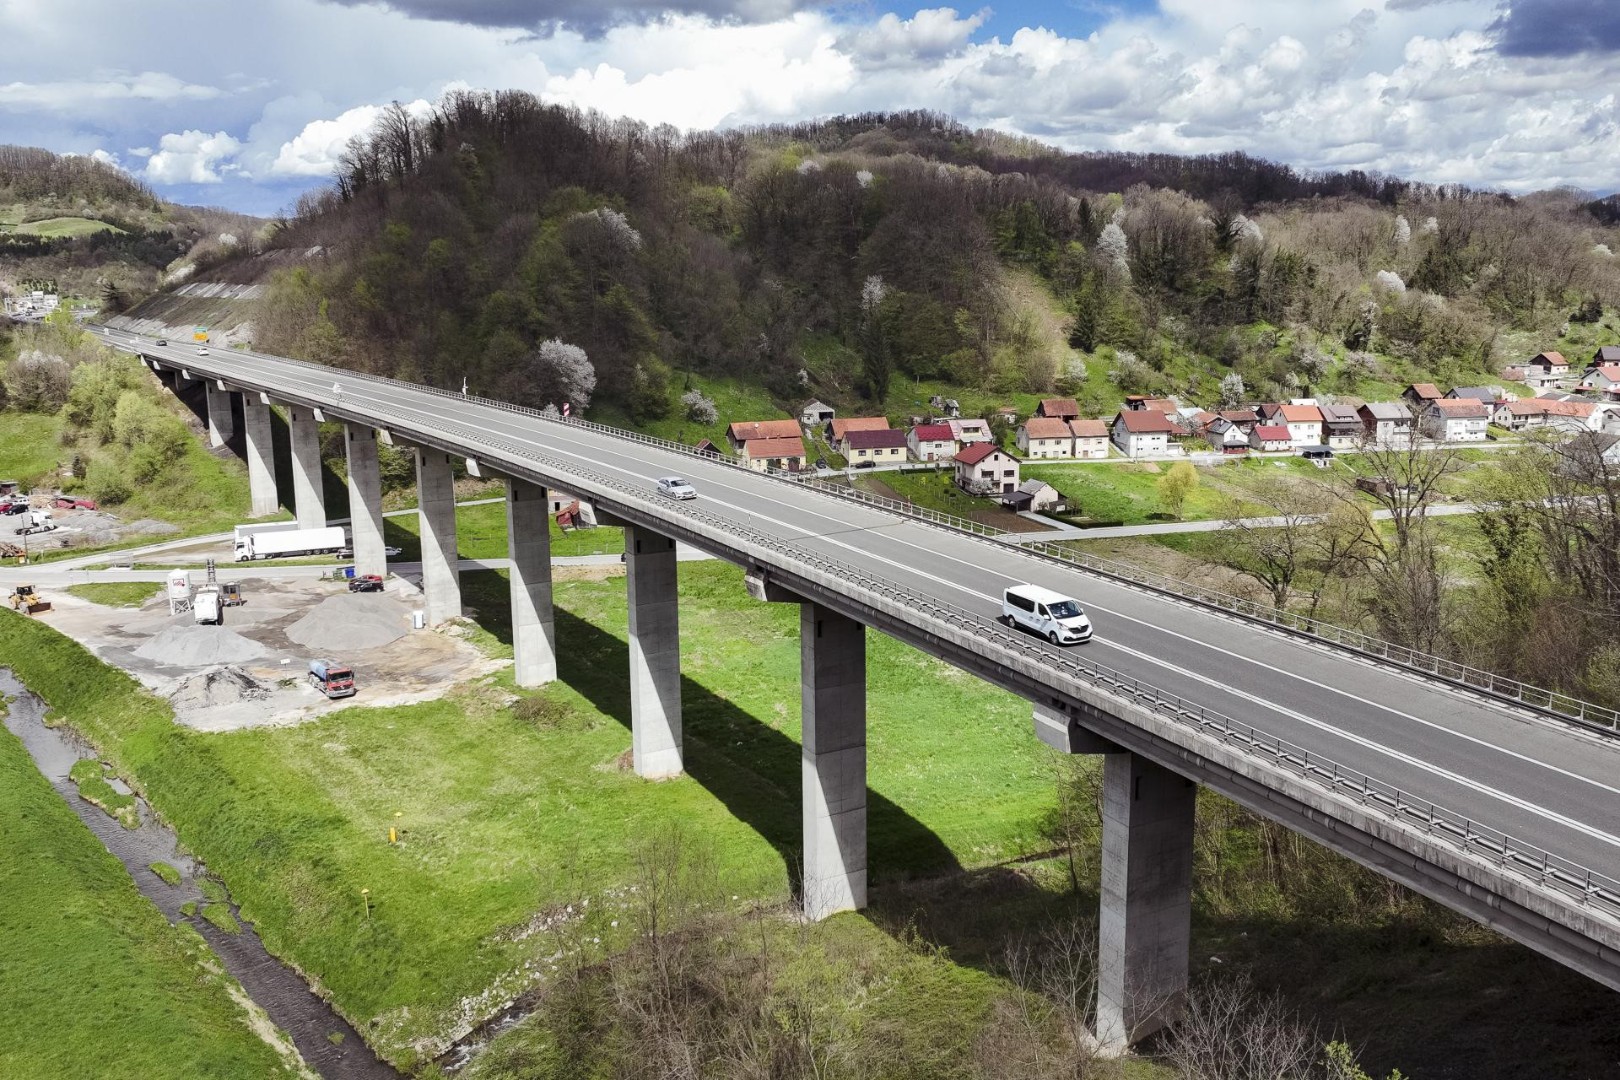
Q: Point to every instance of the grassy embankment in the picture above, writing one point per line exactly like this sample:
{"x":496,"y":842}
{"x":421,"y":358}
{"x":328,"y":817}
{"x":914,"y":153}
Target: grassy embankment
{"x":506,"y":817}
{"x":97,"y":983}
{"x":129,"y":594}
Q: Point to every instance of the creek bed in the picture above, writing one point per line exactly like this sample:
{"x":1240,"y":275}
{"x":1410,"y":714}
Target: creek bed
{"x":327,"y":1042}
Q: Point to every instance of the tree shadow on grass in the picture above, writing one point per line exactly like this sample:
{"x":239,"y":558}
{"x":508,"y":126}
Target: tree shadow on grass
{"x":753,"y":769}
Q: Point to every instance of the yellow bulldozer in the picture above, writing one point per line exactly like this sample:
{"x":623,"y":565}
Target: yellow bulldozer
{"x":27,"y":601}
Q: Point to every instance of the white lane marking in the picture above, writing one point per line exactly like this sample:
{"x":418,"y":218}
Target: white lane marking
{"x":1322,"y":725}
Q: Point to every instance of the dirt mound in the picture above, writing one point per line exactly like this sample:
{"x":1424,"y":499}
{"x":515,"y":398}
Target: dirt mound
{"x":350,"y":621}
{"x":196,"y":646}
{"x":218,"y":686}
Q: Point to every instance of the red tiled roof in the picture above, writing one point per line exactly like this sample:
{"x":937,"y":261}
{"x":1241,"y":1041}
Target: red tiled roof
{"x":1239,"y":416}
{"x":842,"y":427}
{"x":1089,"y":429}
{"x":1046,"y":427}
{"x":1300,"y":414}
{"x":748,"y":430}
{"x":1608,"y":371}
{"x":976,"y":453}
{"x":1461,"y":408}
{"x":1061,"y":407}
{"x":1550,"y":358}
{"x":773,"y":448}
{"x":933,"y":433}
{"x":1425,"y":390}
{"x":885,"y":439}
{"x":1272,"y":433}
{"x":1546,"y":407}
{"x":1145,"y":422}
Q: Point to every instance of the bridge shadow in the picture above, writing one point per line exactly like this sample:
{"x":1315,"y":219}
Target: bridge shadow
{"x":753,"y":769}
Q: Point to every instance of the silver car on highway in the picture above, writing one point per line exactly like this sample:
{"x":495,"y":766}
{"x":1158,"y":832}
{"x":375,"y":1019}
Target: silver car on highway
{"x":674,"y":487}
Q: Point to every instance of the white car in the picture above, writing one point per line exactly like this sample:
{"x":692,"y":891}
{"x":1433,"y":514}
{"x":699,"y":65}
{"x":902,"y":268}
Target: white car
{"x":1057,"y":618}
{"x":675,"y":488}
{"x":202,"y":350}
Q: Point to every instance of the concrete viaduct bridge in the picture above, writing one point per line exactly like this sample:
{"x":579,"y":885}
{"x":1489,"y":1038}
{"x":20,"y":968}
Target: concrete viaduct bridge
{"x":1507,"y":813}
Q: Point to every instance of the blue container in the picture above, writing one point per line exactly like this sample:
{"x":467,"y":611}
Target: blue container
{"x":348,"y":571}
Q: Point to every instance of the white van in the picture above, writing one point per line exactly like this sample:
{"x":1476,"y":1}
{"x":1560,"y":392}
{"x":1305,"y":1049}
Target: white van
{"x":1057,"y":618}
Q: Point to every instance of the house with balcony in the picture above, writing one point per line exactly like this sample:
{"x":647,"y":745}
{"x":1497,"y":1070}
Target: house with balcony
{"x":968,"y":432}
{"x":985,"y":469}
{"x":1455,"y":420}
{"x":1141,"y":432}
{"x":1386,"y":423}
{"x":1341,"y":426}
{"x":1304,"y":423}
{"x":1227,"y":437}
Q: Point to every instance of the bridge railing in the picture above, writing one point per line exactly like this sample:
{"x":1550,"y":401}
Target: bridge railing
{"x":1552,"y":702}
{"x":1511,"y":855}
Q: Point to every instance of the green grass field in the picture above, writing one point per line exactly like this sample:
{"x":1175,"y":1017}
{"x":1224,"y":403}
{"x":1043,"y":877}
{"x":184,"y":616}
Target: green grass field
{"x":97,"y":983}
{"x":506,"y":817}
{"x":29,"y":451}
{"x":481,"y":534}
{"x":57,"y":227}
{"x":130,"y":594}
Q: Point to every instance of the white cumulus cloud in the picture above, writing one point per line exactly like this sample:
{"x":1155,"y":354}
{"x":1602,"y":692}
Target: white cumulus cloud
{"x":192,"y":157}
{"x":315,"y":150}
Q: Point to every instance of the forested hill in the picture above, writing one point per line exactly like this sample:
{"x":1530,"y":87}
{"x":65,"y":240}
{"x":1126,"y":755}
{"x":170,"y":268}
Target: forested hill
{"x":834,"y":258}
{"x":97,"y":232}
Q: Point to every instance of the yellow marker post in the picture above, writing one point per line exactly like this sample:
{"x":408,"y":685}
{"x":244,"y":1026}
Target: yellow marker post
{"x":365,"y":898}
{"x":393,"y":838}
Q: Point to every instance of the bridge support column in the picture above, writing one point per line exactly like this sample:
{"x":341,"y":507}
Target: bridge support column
{"x":655,"y":653}
{"x":365,"y":500}
{"x":309,"y":500}
{"x":261,"y":459}
{"x":1146,"y":913}
{"x":221,"y":424}
{"x":528,"y":541}
{"x":436,"y":508}
{"x":832,"y":657}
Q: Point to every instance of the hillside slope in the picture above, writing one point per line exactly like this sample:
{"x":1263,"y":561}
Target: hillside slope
{"x":834,"y":258}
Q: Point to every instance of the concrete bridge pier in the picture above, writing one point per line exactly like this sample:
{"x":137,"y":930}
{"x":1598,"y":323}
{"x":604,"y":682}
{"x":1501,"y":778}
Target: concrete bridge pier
{"x":655,"y":653}
{"x":365,"y":499}
{"x":832,"y":659}
{"x":1145,"y":922}
{"x":221,"y":423}
{"x":528,"y":540}
{"x":309,"y":499}
{"x":436,"y":509}
{"x":261,"y":460}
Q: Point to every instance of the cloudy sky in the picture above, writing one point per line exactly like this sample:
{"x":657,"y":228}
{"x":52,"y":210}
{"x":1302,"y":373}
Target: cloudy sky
{"x":246,"y":103}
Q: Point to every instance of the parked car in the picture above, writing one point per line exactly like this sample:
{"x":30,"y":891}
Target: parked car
{"x":366,"y":583}
{"x":867,"y":464}
{"x":1057,"y":618}
{"x":74,"y":502}
{"x":675,"y":488}
{"x":347,"y":552}
{"x":14,"y":507}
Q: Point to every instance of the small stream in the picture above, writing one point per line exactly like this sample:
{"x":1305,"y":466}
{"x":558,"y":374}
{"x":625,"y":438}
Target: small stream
{"x":327,"y":1042}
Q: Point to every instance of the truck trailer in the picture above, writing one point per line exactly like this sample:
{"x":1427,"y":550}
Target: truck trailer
{"x":288,"y":543}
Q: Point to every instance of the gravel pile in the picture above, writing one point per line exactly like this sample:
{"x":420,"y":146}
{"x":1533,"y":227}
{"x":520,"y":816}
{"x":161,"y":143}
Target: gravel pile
{"x":196,"y":646}
{"x":218,"y":686}
{"x":350,"y":621}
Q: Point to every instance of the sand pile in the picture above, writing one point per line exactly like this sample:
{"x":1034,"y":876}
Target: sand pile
{"x":218,"y":686}
{"x":350,"y":621}
{"x":196,"y":646}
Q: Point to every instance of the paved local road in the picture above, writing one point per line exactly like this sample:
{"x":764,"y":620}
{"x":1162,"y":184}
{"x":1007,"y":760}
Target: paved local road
{"x":1537,"y":780}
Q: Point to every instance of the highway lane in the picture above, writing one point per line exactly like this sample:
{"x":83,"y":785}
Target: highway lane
{"x":1542,"y":784}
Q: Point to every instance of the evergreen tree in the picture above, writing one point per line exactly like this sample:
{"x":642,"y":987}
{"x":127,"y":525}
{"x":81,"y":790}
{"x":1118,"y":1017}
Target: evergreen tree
{"x":1088,"y":312}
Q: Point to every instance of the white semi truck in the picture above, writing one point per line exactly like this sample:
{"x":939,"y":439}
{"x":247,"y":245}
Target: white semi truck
{"x":287,"y":543}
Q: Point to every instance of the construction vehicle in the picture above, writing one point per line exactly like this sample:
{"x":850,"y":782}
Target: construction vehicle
{"x":39,"y":521}
{"x":230,"y":594}
{"x":331,"y":678}
{"x":27,"y":601}
{"x":206,"y":606}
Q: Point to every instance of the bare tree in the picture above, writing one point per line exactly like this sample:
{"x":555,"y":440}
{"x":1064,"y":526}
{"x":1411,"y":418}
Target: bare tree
{"x":1230,"y":1032}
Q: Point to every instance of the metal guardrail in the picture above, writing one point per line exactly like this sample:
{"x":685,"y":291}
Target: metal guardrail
{"x":1461,"y":833}
{"x":1552,"y":702}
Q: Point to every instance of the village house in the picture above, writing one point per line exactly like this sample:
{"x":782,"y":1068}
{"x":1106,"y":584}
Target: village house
{"x":1418,"y":396}
{"x":1268,"y":413}
{"x":1606,"y":354}
{"x":1304,"y":423}
{"x":1058,"y":408}
{"x":1546,"y":369}
{"x":1245,"y":419}
{"x":744,"y":432}
{"x":1270,"y":437}
{"x":1142,"y":402}
{"x":931,"y":442}
{"x":945,"y":407}
{"x":1036,"y":495}
{"x":1489,"y":396}
{"x":842,"y":428}
{"x":816,"y":415}
{"x":1598,"y":451}
{"x":1386,"y":423}
{"x":1341,"y":426}
{"x":1227,"y":437}
{"x":1455,"y":420}
{"x":1090,"y":438}
{"x":1547,"y":413}
{"x":1198,"y":420}
{"x":968,"y":432}
{"x":1142,"y":432}
{"x":1602,"y":379}
{"x":1045,"y":437}
{"x":881,"y":447}
{"x":783,"y":454}
{"x":983,"y":469}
